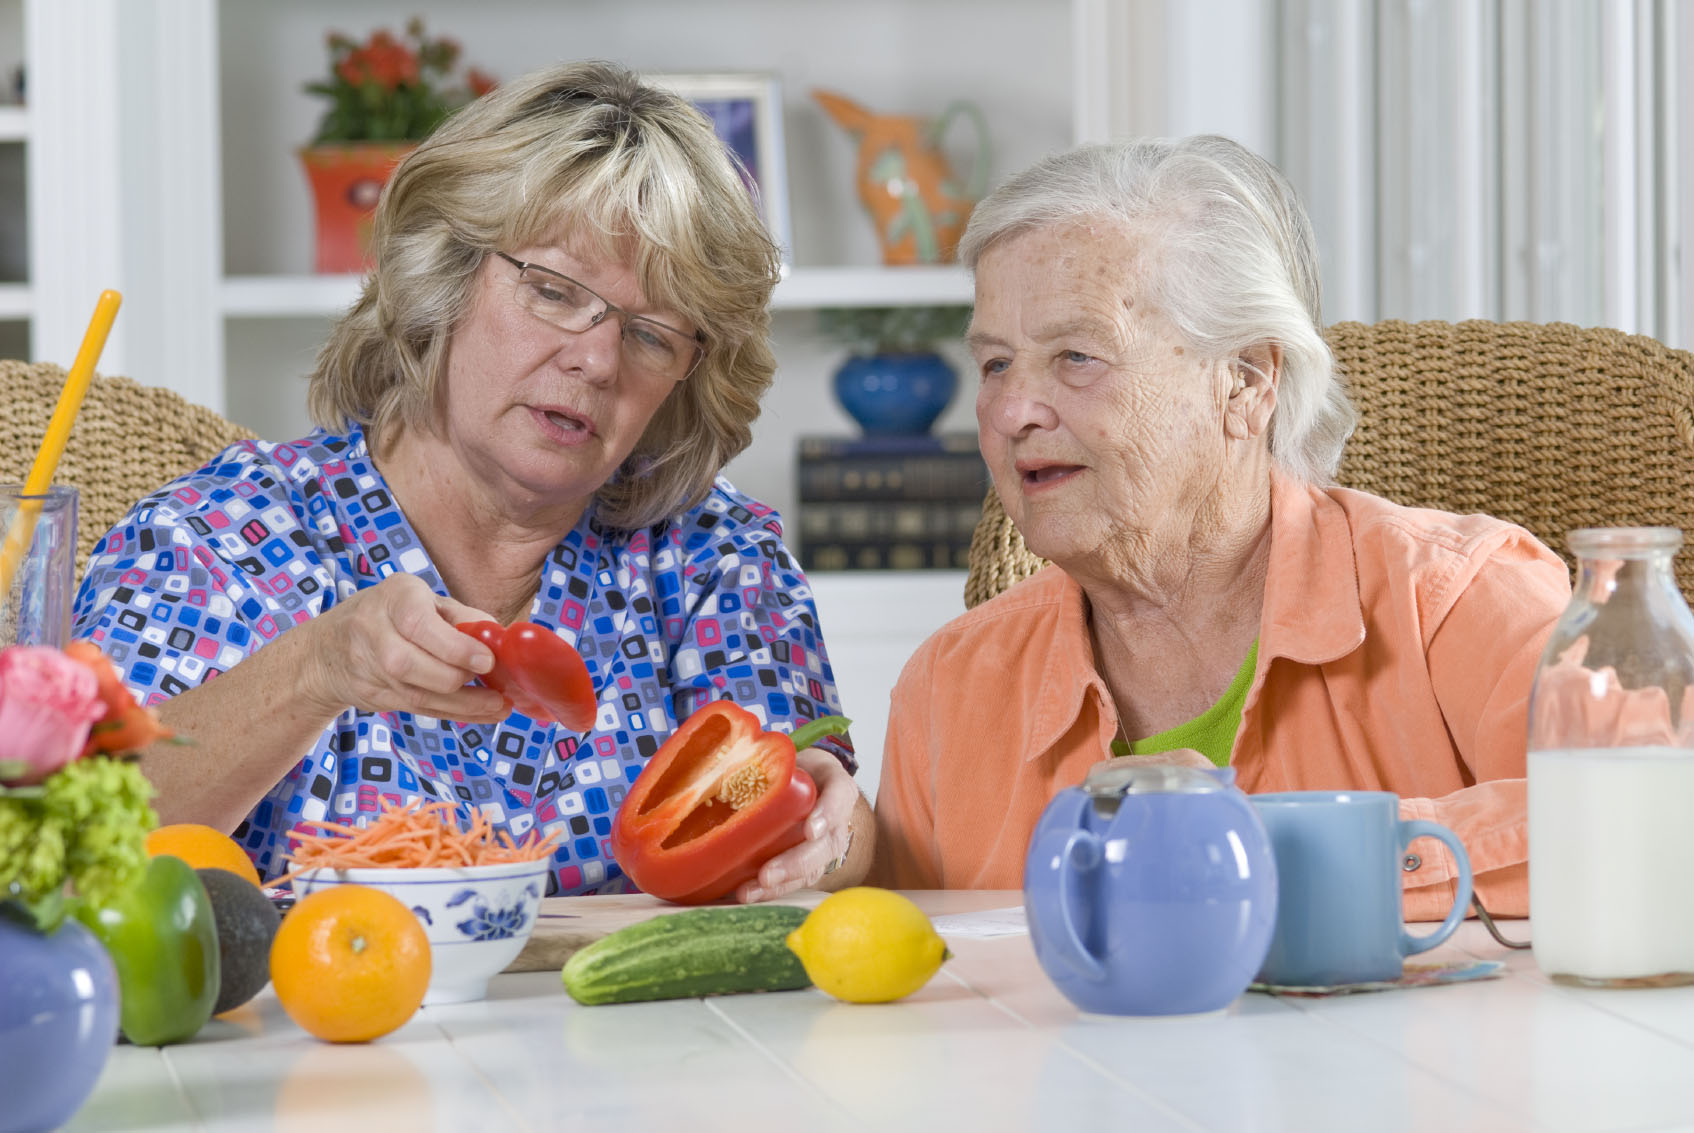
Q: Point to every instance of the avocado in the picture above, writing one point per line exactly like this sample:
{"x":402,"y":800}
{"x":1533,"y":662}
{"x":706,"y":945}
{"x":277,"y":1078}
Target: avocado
{"x":246,"y":922}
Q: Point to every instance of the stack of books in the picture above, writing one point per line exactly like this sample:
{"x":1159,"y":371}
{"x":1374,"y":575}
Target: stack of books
{"x":889,"y":502}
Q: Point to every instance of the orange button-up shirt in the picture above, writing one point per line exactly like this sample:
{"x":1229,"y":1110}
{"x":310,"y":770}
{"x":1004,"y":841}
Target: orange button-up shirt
{"x":1396,"y":651}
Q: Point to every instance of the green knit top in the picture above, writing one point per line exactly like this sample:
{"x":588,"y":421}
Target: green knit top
{"x":1212,"y":733}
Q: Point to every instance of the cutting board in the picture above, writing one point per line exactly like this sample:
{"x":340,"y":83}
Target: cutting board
{"x":566,"y":924}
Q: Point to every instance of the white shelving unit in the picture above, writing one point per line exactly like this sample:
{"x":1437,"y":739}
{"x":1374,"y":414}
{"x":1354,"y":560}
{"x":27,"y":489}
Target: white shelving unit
{"x":165,"y":134}
{"x":287,"y":296}
{"x":16,"y":298}
{"x":271,"y":313}
{"x":313,"y":296}
{"x":14,"y":124}
{"x":15,"y":301}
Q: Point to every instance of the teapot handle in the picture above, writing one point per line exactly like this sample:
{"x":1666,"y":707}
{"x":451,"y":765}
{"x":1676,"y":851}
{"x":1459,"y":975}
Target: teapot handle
{"x":978,"y":183}
{"x":1081,"y":852}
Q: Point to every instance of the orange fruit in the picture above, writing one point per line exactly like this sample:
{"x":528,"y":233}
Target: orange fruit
{"x":350,"y":963}
{"x":201,"y":847}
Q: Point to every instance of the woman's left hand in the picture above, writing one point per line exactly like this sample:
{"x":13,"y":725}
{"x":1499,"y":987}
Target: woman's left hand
{"x":836,"y":852}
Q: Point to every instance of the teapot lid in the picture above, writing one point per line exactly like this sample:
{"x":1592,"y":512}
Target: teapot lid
{"x":1114,"y":779}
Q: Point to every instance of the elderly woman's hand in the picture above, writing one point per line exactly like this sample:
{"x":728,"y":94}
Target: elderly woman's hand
{"x":836,"y":851}
{"x":394,"y":647}
{"x":1176,"y":757}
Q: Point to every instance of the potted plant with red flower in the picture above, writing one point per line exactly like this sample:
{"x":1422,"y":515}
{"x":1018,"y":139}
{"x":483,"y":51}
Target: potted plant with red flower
{"x":385,"y":95}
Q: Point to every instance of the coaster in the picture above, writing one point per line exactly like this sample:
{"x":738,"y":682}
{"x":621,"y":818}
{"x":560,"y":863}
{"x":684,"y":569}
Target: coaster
{"x":1414,"y":975}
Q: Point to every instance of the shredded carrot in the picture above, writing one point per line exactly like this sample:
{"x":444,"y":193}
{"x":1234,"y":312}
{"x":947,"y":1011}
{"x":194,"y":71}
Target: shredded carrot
{"x":415,"y":836}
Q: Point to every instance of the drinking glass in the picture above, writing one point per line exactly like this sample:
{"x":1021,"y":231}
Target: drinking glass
{"x":36,"y":606}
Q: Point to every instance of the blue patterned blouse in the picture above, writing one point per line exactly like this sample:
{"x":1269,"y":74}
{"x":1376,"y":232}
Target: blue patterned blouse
{"x":706,"y":606}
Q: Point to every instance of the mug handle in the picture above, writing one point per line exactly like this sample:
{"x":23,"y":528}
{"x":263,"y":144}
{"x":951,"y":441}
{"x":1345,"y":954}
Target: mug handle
{"x":1081,"y":852}
{"x":1419,"y":828}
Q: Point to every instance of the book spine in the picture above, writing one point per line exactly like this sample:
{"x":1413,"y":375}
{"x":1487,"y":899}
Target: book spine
{"x":851,"y":448}
{"x":903,"y":503}
{"x":955,"y":477}
{"x":878,"y":520}
{"x":892,"y":555}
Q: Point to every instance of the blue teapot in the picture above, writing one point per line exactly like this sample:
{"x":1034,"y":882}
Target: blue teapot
{"x":1150,"y":890}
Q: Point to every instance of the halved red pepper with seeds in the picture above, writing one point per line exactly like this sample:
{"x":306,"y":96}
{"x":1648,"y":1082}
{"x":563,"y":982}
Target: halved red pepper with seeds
{"x":717,"y":801}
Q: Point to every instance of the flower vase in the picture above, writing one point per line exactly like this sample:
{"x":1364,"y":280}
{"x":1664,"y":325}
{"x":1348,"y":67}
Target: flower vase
{"x":58,"y":1020}
{"x":346,"y":180}
{"x":906,"y":181}
{"x":895,"y":394}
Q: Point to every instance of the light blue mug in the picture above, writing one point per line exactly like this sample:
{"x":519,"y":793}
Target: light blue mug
{"x":1338,"y":867}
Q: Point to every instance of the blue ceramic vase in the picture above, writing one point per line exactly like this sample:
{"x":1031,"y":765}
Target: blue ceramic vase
{"x":58,"y":1021}
{"x":899,"y":394}
{"x":1151,"y":891}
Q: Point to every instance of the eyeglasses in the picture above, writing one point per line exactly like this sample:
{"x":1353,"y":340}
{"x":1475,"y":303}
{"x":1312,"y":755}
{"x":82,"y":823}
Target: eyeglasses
{"x":650,"y":348}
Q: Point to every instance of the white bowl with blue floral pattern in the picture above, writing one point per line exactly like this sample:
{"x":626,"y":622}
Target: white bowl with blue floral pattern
{"x":477,"y":918}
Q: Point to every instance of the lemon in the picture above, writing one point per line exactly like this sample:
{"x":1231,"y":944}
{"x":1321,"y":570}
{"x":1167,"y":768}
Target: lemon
{"x":868,"y":945}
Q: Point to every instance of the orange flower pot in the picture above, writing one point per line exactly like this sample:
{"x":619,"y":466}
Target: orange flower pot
{"x":346,"y":179}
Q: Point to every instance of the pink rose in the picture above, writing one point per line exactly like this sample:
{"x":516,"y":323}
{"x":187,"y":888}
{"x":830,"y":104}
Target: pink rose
{"x":48,"y":702}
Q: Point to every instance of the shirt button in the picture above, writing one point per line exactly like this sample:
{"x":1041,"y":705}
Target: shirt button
{"x":1411,"y":862}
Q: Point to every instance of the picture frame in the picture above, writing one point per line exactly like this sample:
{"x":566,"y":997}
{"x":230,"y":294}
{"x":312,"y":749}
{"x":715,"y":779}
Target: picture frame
{"x":745,"y":108}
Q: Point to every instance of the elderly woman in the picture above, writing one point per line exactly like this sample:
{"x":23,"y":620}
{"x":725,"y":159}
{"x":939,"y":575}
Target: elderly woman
{"x":1162,"y":421}
{"x":523,"y":417}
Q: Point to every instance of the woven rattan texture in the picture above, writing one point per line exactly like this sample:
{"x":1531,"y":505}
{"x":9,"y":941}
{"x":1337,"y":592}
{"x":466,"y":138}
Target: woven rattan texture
{"x":128,"y":440}
{"x":1548,"y":425}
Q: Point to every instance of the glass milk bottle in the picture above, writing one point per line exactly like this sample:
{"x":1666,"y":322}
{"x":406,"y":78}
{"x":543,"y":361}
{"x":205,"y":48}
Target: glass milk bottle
{"x":1611,"y":770}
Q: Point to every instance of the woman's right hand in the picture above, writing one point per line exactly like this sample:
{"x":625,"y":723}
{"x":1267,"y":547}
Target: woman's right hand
{"x":394,"y":647}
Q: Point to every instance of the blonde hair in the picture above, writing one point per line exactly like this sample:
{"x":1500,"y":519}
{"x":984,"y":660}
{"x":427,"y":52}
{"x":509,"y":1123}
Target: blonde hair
{"x":1237,"y":264}
{"x":589,"y":151}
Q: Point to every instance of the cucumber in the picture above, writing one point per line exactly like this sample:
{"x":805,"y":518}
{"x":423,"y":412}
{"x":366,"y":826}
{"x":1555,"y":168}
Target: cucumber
{"x":714,"y":951}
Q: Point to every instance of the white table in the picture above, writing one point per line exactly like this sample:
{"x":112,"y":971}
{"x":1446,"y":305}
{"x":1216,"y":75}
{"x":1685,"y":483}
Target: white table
{"x":989,"y":1044}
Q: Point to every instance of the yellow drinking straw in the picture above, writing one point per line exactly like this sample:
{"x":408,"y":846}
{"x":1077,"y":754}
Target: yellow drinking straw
{"x":22,"y":530}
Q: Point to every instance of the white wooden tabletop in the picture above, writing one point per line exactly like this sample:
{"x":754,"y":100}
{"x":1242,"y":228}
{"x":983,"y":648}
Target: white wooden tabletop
{"x":988,"y":1044}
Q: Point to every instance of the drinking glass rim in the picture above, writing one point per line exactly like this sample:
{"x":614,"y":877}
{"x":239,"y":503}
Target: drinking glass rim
{"x":53,"y":492}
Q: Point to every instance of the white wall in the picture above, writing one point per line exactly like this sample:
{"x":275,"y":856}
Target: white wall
{"x":1178,"y":67}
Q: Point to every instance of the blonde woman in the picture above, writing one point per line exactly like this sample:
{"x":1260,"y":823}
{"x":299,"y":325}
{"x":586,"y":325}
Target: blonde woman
{"x":562,"y":342}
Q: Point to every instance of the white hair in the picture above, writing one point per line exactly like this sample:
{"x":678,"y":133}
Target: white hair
{"x":1232,"y":263}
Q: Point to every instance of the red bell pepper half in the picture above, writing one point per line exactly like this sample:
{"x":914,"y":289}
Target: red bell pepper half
{"x":538,"y":671}
{"x":719,"y":799}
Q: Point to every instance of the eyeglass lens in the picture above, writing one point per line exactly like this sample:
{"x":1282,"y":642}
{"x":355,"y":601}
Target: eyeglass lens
{"x":648,"y":346}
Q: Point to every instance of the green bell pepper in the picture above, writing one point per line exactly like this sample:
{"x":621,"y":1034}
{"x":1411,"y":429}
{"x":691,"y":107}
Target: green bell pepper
{"x":163,"y":941}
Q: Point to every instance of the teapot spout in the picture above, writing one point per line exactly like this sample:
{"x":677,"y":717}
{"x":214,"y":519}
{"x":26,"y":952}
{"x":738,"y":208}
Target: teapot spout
{"x":849,"y":115}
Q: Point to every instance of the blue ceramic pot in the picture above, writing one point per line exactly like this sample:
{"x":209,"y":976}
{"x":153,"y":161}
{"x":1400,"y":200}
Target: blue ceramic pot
{"x":58,"y":1021}
{"x":1151,"y":891}
{"x":895,"y":393}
